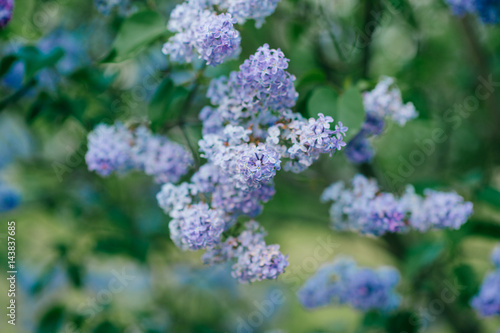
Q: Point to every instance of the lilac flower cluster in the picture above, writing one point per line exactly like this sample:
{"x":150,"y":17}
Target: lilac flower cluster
{"x":115,"y":148}
{"x":367,"y":210}
{"x":6,"y":8}
{"x":343,"y":282}
{"x":487,"y":10}
{"x":201,"y":29}
{"x":384,"y":101}
{"x":252,"y":128}
{"x":253,"y":259}
{"x":487,"y":301}
{"x":245,"y":139}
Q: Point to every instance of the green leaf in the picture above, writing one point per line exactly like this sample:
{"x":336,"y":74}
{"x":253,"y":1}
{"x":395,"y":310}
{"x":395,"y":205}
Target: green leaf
{"x":403,"y":321}
{"x":6,"y":63}
{"x":136,"y":32}
{"x":323,"y":100}
{"x":315,"y":76}
{"x":166,"y":103}
{"x":489,"y":195}
{"x":51,"y":321}
{"x":467,"y":279}
{"x":423,"y":255}
{"x":351,"y":111}
{"x":106,"y":327}
{"x":34,"y":60}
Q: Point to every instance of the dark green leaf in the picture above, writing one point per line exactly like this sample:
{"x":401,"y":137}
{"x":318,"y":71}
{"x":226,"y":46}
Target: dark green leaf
{"x":6,"y":63}
{"x":166,"y":103}
{"x":51,"y":321}
{"x":106,"y":327}
{"x":403,"y":321}
{"x":422,"y":255}
{"x":34,"y":60}
{"x":490,"y":196}
{"x":316,"y":76}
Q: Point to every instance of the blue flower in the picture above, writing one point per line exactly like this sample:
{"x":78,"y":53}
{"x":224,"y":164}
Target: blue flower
{"x":9,"y":198}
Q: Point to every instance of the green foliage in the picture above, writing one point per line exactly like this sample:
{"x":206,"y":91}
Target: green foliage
{"x":136,"y":32}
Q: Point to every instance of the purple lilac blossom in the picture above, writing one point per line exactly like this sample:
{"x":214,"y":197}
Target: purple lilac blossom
{"x":247,"y":135}
{"x":115,"y":148}
{"x":384,"y":101}
{"x":487,"y":301}
{"x":6,"y":8}
{"x":365,"y":209}
{"x":343,"y":282}
{"x":199,"y":29}
{"x":196,"y":227}
{"x":253,"y":259}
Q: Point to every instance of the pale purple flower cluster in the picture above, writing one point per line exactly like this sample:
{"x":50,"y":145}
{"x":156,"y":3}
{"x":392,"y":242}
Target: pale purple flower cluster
{"x":252,"y":129}
{"x":196,"y":227}
{"x":253,"y":259}
{"x":115,"y":148}
{"x":343,"y":282}
{"x":258,"y":93}
{"x":384,"y":101}
{"x":207,"y":28}
{"x":487,"y":301}
{"x":245,"y":139}
{"x":487,"y":10}
{"x":198,"y":29}
{"x":6,"y":8}
{"x":365,"y":209}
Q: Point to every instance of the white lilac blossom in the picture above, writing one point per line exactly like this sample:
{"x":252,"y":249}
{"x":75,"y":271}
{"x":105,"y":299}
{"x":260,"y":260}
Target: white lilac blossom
{"x":253,"y":259}
{"x":343,"y":282}
{"x":115,"y":148}
{"x":365,"y":209}
{"x":6,"y":8}
{"x":487,"y":301}
{"x":487,"y":10}
{"x":384,"y":101}
{"x":201,"y":31}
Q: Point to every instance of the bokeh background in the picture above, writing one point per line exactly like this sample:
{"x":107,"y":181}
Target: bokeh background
{"x":77,"y":232}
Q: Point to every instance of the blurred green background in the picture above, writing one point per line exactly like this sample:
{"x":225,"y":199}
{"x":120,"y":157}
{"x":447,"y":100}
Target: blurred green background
{"x":77,"y":232}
